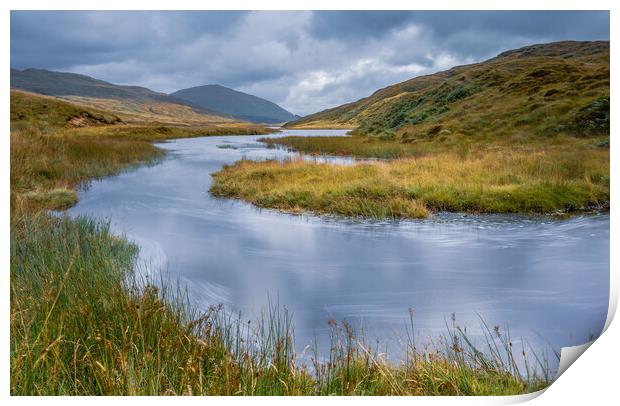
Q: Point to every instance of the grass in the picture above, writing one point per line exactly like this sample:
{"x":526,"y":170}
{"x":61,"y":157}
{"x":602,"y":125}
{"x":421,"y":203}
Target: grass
{"x":83,"y":323}
{"x":97,"y":329}
{"x":536,"y":180}
{"x":151,"y":111}
{"x":356,"y":146}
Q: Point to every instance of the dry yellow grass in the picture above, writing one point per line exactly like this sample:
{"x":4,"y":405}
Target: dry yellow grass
{"x":495,"y":181}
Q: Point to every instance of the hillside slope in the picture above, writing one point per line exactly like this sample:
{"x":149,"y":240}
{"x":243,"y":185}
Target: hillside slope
{"x":234,"y":103}
{"x":129,"y":102}
{"x":532,"y":92}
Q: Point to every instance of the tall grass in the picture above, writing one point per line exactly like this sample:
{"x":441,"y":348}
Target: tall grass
{"x":360,"y":147}
{"x":96,"y":328}
{"x":382,"y":148}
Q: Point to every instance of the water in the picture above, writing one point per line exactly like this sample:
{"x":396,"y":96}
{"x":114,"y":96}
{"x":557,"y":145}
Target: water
{"x":547,"y":279}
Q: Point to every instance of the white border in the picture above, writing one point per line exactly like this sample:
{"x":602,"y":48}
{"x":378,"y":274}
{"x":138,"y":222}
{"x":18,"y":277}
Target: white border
{"x":592,"y":379}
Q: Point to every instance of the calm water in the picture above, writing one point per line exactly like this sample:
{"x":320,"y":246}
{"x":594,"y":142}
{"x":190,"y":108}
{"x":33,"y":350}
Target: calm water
{"x":547,"y":279}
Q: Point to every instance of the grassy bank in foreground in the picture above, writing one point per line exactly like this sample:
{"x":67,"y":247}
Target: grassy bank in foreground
{"x":93,"y":329}
{"x":492,"y":181}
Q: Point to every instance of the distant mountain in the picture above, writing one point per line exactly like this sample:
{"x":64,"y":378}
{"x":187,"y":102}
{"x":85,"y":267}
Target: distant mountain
{"x":53,"y":83}
{"x":135,"y":101}
{"x":535,"y":91}
{"x":211,"y":99}
{"x":234,"y":103}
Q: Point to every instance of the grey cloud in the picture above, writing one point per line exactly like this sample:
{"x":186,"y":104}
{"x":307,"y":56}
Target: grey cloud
{"x":304,"y":61}
{"x":357,"y":25}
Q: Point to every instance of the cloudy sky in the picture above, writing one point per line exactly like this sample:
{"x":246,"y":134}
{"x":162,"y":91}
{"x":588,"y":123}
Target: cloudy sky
{"x":305,"y":61}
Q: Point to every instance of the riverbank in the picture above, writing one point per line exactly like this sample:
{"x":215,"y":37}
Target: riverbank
{"x":82,"y":323}
{"x":527,"y":131}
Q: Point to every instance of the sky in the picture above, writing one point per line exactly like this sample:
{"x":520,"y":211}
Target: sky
{"x":304,"y":61}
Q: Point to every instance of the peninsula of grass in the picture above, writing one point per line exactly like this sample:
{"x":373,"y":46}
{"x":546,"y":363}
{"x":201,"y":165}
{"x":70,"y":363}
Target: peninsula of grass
{"x":536,"y":180}
{"x":82,"y":322}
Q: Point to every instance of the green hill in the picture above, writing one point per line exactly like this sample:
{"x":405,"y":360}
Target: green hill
{"x":234,"y":103}
{"x":532,"y":92}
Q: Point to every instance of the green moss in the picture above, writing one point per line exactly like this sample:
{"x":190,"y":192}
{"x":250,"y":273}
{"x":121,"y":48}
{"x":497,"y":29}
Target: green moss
{"x":592,"y":119}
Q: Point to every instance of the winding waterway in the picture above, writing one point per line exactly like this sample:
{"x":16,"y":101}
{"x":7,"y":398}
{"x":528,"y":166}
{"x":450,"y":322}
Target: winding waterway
{"x":547,"y":279}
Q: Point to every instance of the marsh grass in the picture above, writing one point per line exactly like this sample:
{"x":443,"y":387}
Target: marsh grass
{"x":97,"y":328}
{"x":360,"y":147}
{"x":496,"y":181}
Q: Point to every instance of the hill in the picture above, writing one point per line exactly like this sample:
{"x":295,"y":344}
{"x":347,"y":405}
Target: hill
{"x":532,"y":92}
{"x":132,"y":103}
{"x":234,"y":103}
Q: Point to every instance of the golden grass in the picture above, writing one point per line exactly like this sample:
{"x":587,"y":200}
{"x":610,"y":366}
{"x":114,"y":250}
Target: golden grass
{"x":492,"y":181}
{"x":151,"y":111}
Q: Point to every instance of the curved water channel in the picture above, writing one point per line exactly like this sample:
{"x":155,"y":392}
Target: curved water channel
{"x":546,"y":278}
